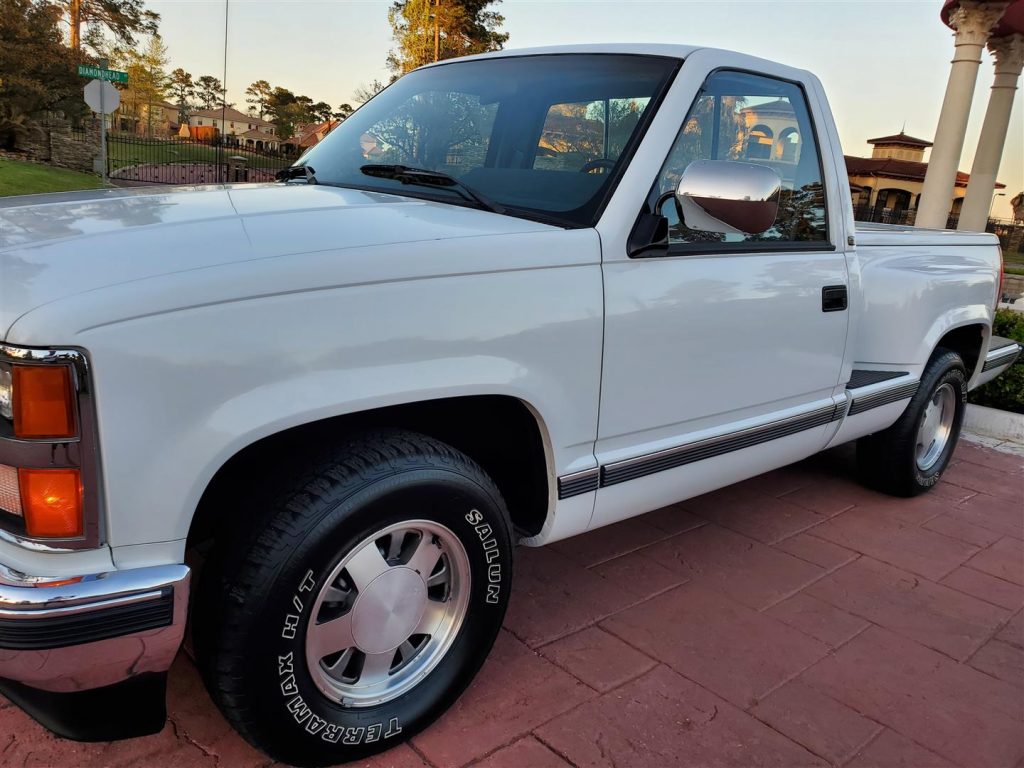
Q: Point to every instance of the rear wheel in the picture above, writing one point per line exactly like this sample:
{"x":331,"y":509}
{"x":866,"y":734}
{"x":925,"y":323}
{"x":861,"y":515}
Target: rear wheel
{"x":909,"y":457}
{"x":362,"y":605}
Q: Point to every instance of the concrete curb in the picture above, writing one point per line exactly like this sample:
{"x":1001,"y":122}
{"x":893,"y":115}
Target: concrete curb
{"x":992,"y":422}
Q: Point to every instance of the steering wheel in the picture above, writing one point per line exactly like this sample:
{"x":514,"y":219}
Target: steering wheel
{"x":600,"y":162}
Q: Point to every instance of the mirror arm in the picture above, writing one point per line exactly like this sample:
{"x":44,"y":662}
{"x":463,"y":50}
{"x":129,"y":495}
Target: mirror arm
{"x":649,"y":236}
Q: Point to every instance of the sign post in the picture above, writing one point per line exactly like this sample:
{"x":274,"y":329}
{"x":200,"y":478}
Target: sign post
{"x":102,"y":98}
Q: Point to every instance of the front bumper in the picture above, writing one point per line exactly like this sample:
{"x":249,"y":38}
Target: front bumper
{"x":69,"y":646}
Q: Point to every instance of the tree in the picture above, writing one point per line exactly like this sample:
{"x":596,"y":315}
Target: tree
{"x":210,"y":92}
{"x":124,"y":19}
{"x":321,"y":111}
{"x":183,"y":90}
{"x":343,"y":112}
{"x":147,"y":80}
{"x":286,"y":110}
{"x":434,"y":30}
{"x":258,"y":96}
{"x":366,"y":92}
{"x":38,"y":69}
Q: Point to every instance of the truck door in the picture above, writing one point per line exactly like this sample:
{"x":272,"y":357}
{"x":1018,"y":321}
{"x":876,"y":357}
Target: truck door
{"x":723,"y":352}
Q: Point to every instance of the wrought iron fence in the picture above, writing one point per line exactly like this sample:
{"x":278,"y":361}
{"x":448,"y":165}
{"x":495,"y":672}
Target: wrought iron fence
{"x":188,"y":161}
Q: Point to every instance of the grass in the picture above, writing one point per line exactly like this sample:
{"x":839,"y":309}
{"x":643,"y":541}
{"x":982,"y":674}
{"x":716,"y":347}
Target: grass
{"x":125,"y":152}
{"x":18,"y":178}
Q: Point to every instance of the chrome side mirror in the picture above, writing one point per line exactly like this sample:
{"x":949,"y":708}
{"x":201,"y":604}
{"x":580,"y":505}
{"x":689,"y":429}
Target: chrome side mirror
{"x":728,"y":197}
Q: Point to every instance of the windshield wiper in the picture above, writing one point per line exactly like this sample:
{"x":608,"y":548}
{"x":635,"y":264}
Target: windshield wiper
{"x":297,"y":172}
{"x":427,"y":178}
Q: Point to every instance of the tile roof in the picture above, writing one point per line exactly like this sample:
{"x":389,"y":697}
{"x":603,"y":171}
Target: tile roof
{"x":890,"y":167}
{"x":900,"y":138}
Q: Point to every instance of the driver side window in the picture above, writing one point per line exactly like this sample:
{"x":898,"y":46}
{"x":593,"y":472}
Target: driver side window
{"x":752,"y":119}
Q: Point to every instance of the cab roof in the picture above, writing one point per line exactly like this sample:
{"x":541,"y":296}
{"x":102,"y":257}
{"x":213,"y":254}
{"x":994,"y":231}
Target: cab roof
{"x":640,"y":49}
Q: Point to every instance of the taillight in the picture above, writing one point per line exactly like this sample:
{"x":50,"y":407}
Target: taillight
{"x":43,"y":402}
{"x":1002,"y":276}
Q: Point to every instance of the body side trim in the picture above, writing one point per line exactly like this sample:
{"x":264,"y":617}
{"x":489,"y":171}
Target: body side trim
{"x":578,"y":483}
{"x":886,"y":396}
{"x":688,"y":453}
{"x":864,"y":378}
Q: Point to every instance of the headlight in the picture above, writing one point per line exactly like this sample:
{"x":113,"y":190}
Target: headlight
{"x":6,"y":394}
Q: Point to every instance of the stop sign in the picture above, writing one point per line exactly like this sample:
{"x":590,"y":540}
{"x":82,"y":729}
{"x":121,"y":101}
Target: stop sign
{"x":97,"y":89}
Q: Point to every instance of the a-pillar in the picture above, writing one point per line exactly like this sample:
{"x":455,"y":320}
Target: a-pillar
{"x":972,"y":22}
{"x":1009,"y":60}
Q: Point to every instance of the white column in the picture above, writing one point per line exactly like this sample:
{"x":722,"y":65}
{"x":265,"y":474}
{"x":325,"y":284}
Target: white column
{"x":972,"y":22}
{"x":1009,"y":60}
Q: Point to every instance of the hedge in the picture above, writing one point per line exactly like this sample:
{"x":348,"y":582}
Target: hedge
{"x":1007,"y":391}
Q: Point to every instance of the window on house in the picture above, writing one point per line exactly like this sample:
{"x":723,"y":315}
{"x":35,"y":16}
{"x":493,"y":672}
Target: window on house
{"x":750,"y":118}
{"x":199,"y":122}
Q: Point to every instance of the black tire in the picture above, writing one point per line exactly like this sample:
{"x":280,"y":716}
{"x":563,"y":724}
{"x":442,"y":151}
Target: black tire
{"x":888,"y":460}
{"x":249,"y":626}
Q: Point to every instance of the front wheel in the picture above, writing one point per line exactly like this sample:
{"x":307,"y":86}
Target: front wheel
{"x":909,"y":457}
{"x":364,"y":605}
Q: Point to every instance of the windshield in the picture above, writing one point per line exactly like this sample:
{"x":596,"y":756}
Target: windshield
{"x":543,"y":136}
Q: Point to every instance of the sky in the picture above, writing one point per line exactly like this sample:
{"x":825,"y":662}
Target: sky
{"x":884,"y":63}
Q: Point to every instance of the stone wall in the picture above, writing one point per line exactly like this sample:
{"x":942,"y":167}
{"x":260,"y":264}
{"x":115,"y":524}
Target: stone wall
{"x":55,"y":144}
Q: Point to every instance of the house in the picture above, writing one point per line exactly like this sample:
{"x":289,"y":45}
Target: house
{"x":309,"y":134}
{"x":231,"y":122}
{"x":258,"y":140}
{"x":887,"y":186}
{"x":159,"y":118}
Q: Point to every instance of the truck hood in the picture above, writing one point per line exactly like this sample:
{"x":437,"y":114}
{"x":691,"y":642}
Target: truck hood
{"x":61,"y":245}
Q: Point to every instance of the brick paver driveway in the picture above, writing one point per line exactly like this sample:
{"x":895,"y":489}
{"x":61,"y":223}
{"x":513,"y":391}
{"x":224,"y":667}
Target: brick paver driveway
{"x":794,"y":619}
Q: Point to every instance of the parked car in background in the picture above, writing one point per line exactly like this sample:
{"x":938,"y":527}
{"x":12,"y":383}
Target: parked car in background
{"x":513,"y":298}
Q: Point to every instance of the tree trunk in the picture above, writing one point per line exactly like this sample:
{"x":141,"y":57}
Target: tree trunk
{"x":76,"y":24}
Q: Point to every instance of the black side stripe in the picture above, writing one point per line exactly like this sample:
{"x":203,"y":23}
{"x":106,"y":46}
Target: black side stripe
{"x":886,"y":396}
{"x":1003,"y":358}
{"x":865,"y":378}
{"x":631,"y":469}
{"x":577,"y":483}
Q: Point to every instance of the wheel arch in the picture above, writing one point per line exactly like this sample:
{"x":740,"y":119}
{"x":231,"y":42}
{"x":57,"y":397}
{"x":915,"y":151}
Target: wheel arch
{"x":505,"y":435}
{"x":968,"y":341}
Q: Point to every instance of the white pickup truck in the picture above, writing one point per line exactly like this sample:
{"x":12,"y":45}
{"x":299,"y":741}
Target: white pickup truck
{"x":513,"y":298}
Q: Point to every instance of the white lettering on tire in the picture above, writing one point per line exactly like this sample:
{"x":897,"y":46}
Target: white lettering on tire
{"x":296,"y":705}
{"x":490,"y":544}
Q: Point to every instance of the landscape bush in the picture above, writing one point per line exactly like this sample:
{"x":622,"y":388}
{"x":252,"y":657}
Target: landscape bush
{"x":1007,"y":391}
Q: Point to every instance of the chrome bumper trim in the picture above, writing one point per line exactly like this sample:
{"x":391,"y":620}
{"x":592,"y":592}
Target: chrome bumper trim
{"x":94,"y":664}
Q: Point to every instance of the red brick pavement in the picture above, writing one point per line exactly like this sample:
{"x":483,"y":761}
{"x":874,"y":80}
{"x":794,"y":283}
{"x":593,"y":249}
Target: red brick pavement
{"x":793,"y":619}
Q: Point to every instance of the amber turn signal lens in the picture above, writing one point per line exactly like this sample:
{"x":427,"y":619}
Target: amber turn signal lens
{"x":51,"y":502}
{"x":43,"y":402}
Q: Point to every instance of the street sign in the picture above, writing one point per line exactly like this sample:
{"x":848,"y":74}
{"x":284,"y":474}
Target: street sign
{"x":100,"y":73}
{"x":102,"y":97}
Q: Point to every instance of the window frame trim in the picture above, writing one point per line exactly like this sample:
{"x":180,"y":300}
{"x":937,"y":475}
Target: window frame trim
{"x":746,"y":246}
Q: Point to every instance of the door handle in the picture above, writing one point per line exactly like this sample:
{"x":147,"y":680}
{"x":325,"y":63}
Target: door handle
{"x":833,"y":298}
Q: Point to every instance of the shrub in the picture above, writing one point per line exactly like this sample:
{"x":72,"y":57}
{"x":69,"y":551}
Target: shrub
{"x":1007,"y":391}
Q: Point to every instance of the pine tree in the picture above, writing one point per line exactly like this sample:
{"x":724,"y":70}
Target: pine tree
{"x":124,"y":19}
{"x":434,"y":30}
{"x":183,"y":90}
{"x":258,"y":97}
{"x":209,"y":92}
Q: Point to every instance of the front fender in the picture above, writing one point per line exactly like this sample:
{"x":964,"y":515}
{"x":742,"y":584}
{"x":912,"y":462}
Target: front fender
{"x":178,"y":392}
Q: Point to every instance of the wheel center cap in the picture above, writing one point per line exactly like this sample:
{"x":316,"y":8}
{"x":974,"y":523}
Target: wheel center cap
{"x":388,"y":610}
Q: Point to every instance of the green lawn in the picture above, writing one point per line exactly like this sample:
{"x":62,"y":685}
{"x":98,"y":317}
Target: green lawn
{"x":18,"y":178}
{"x":127,"y":152}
